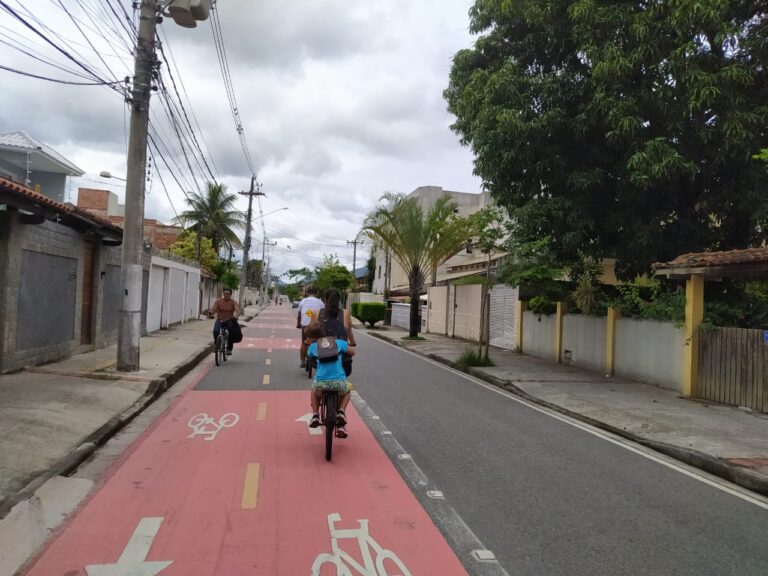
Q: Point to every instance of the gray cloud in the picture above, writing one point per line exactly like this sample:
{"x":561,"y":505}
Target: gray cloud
{"x":340,"y":101}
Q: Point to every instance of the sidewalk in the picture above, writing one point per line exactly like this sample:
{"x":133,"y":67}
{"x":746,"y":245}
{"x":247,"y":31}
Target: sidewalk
{"x":54,"y":416}
{"x":724,"y":440}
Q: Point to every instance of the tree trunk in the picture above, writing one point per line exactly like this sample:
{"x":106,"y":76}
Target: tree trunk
{"x":415,"y":283}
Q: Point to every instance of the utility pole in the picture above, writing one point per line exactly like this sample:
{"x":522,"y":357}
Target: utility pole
{"x":264,"y":271}
{"x":354,"y":243}
{"x":254,"y":191}
{"x":129,"y":323}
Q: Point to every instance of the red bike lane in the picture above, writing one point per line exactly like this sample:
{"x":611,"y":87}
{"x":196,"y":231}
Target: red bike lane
{"x":234,"y":483}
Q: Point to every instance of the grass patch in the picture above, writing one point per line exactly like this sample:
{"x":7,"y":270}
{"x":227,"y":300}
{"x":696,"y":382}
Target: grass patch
{"x":471,"y":358}
{"x":413,"y":338}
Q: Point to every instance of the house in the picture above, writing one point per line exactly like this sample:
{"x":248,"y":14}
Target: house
{"x":391,"y":278}
{"x":60,"y":264}
{"x":361,"y":278}
{"x":105,"y":204}
{"x":35,"y":165}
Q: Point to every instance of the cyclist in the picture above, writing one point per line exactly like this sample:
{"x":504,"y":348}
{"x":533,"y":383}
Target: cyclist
{"x":337,"y":322}
{"x":226,"y":311}
{"x":329,"y":376}
{"x":309,"y":306}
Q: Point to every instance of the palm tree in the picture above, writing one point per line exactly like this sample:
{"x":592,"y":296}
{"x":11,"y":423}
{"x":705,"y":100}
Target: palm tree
{"x":417,"y":241}
{"x":213,"y":214}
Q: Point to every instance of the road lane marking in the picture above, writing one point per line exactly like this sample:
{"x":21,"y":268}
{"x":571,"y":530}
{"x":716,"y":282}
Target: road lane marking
{"x":265,"y":380}
{"x":649,"y":453}
{"x":204,"y":425}
{"x":132,"y":560}
{"x":262,"y":412}
{"x":251,"y":486}
{"x":312,"y":431}
{"x":269,"y":361}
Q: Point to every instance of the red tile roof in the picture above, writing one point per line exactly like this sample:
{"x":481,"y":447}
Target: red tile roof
{"x":37,"y":199}
{"x":705,"y":259}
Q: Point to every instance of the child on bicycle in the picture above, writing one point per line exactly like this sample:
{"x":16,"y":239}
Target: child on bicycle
{"x":329,"y":376}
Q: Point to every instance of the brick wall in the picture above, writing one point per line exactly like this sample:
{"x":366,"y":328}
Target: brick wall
{"x":93,"y":200}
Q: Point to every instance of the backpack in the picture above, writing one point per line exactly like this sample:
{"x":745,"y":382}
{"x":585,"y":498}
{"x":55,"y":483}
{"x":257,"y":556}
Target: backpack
{"x":327,"y":350}
{"x":333,"y":326}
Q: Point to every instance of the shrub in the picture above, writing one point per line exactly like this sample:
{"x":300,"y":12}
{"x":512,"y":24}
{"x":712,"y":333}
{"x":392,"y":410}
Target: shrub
{"x":354,"y":309}
{"x":371,"y":312}
{"x":471,"y":358}
{"x":542,"y":305}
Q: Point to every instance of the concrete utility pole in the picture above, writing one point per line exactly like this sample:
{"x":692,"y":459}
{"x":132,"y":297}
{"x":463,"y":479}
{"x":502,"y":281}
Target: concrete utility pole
{"x":254,"y":191}
{"x":264,"y":271}
{"x":354,"y":243}
{"x":129,"y":323}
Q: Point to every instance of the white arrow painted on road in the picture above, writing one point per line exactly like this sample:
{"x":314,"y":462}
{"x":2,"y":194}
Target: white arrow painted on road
{"x":306,"y":418}
{"x":132,"y":560}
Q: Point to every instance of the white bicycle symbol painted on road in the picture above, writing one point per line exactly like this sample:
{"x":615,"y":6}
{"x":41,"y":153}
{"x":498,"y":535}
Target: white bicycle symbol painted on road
{"x":204,"y":425}
{"x":345,"y":562}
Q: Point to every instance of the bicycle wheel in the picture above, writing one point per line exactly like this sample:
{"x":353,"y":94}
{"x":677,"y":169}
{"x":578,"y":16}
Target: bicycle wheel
{"x":330,"y":422}
{"x":399,"y":568}
{"x":224,"y":344}
{"x":217,"y":350}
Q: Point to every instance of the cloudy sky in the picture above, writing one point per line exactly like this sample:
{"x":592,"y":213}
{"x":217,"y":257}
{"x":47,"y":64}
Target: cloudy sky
{"x":339,"y":101}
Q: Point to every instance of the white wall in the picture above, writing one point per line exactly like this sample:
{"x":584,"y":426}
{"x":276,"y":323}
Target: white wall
{"x":173,"y":293}
{"x":650,"y":352}
{"x":467,"y":311}
{"x":437,"y":322}
{"x":584,"y":341}
{"x":539,"y":335}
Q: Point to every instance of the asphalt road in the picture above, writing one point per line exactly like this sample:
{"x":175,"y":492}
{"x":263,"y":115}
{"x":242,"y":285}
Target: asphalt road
{"x":548,"y":497}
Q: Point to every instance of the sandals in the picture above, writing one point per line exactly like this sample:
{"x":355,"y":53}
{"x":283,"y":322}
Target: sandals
{"x":314,"y":422}
{"x":341,"y":432}
{"x":341,"y":418}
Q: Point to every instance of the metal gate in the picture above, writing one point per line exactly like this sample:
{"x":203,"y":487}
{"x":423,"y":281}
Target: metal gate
{"x":503,"y":323}
{"x":732,"y":367}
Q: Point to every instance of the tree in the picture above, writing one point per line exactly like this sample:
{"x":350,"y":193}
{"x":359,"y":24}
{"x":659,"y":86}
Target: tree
{"x":418,"y":241}
{"x":292,"y":291}
{"x":332,"y":274}
{"x":254,"y":273}
{"x":213,"y":213}
{"x":617,"y":128}
{"x":186,"y":246}
{"x":371,"y":264}
{"x":489,"y":227}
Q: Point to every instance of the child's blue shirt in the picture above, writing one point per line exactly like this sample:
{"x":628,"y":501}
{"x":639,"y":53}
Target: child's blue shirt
{"x":329,"y":370}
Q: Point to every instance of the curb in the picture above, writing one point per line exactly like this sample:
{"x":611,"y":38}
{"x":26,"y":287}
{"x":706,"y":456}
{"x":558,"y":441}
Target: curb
{"x":712,"y":464}
{"x":70,"y":462}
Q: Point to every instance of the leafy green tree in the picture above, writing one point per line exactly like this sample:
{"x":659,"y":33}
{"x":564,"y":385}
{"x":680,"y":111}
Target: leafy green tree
{"x":229,"y":279}
{"x":332,"y":274}
{"x":186,"y":246}
{"x":213,"y":213}
{"x":418,"y":241}
{"x":292,"y":291}
{"x":371,"y":264}
{"x":619,"y":128}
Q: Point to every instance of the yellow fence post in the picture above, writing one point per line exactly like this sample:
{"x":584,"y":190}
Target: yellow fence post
{"x":694,"y":315}
{"x":559,"y":331}
{"x":521,"y":307}
{"x":610,"y":340}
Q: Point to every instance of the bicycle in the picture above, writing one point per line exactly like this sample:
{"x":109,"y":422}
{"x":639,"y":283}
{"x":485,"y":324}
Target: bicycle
{"x":345,"y":562}
{"x":220,"y":351}
{"x":329,"y":403}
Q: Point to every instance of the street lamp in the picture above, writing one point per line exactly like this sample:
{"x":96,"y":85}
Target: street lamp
{"x":272,"y":212}
{"x":106,"y":174}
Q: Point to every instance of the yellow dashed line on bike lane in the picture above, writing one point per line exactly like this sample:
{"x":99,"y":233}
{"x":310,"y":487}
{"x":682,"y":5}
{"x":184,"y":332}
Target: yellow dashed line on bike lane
{"x":251,"y":486}
{"x":261,"y":414}
{"x":265,"y":381}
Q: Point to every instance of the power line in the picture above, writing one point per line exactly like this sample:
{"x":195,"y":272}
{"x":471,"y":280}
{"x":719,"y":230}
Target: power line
{"x":57,"y":80}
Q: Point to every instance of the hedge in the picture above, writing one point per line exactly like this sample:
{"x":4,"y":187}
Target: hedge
{"x":369,"y":312}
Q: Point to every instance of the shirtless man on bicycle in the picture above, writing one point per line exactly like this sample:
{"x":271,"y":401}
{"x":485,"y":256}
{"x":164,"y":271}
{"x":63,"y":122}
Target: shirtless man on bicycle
{"x":226,"y":311}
